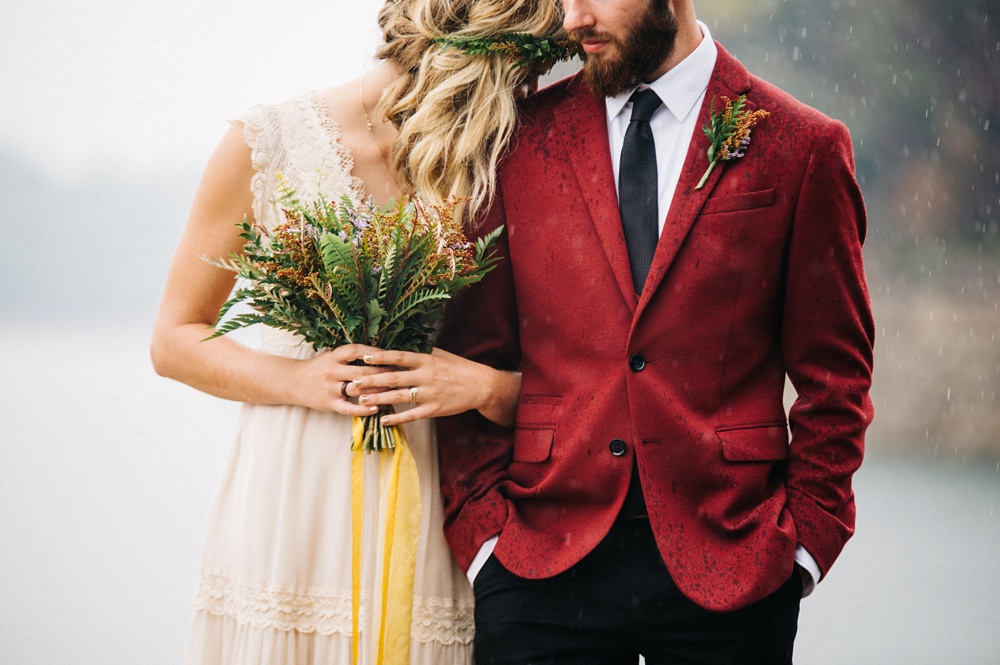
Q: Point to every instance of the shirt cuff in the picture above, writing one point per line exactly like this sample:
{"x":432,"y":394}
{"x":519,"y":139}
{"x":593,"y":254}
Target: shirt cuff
{"x":804,"y":559}
{"x":485,"y":550}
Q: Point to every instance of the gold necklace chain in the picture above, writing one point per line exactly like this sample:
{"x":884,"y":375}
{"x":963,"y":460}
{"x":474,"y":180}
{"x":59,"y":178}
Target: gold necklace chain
{"x":371,"y":131}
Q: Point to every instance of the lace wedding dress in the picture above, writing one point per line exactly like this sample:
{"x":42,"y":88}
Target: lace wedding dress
{"x":275,"y":581}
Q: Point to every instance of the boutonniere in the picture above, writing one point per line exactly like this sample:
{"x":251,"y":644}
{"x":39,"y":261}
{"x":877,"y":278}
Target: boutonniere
{"x":729,"y":133}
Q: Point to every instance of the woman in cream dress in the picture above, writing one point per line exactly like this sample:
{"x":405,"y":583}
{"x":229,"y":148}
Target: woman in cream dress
{"x":275,"y":584}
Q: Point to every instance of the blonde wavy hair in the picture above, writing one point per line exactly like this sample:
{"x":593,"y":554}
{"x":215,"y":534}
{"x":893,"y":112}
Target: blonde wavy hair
{"x":455,"y":112}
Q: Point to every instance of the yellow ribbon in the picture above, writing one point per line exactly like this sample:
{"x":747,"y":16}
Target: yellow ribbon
{"x":399,"y":557}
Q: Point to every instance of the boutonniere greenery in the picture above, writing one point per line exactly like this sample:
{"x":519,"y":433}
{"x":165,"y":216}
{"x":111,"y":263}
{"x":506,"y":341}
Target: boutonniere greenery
{"x":729,"y":132}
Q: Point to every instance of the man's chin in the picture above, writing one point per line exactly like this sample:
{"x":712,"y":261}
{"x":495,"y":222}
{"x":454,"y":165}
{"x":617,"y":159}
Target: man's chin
{"x":607,"y":78}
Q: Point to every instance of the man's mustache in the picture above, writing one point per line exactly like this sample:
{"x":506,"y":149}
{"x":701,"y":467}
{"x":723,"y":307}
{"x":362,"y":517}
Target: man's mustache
{"x":592,"y":35}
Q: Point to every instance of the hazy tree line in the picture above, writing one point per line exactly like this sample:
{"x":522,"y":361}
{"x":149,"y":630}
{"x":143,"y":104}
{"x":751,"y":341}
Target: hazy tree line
{"x":918,"y":83}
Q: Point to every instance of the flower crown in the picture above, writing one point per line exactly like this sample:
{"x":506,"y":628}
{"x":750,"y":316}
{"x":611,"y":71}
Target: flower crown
{"x":524,"y":49}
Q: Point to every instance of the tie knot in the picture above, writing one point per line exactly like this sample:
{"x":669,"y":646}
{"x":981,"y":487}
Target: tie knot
{"x":644,"y":104}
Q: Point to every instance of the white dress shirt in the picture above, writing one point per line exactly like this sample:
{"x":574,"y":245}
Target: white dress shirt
{"x":682,"y":91}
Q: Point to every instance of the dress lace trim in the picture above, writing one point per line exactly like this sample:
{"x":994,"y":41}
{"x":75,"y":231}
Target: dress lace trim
{"x":344,"y":156}
{"x":307,"y":610}
{"x":298,"y":142}
{"x":253,"y":136}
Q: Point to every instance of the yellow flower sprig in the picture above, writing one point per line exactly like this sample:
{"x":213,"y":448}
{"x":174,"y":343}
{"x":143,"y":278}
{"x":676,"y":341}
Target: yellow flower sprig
{"x":729,"y":133}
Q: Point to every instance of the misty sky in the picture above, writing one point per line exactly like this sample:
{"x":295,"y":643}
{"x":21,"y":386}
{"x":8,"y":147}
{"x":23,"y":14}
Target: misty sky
{"x":113,"y":84}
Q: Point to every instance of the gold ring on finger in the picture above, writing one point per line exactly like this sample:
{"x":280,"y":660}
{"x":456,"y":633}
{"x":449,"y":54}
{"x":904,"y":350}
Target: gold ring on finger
{"x":413,"y":395}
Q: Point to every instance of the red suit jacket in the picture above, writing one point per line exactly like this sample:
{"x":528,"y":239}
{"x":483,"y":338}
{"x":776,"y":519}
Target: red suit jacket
{"x":757,"y":275}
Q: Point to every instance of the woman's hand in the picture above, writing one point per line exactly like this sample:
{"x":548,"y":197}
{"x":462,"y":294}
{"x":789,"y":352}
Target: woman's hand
{"x":325,"y":382}
{"x":439,"y":384}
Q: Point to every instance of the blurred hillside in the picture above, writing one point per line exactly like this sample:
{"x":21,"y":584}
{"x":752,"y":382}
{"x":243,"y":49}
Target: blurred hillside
{"x":93,"y":246}
{"x":918,"y":84}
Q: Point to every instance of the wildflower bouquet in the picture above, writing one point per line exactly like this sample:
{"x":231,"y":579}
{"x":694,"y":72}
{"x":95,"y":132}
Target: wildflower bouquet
{"x":340,"y":274}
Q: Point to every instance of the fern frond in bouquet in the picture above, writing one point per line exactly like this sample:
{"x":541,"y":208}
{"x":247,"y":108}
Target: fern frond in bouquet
{"x":339,"y":274}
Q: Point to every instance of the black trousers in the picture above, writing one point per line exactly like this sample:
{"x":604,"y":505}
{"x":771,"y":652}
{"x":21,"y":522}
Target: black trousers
{"x":620,"y":602}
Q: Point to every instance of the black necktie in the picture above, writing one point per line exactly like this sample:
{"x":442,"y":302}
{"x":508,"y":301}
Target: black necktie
{"x":637,"y":195}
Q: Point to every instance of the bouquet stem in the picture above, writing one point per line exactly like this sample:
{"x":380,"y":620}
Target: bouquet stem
{"x":376,"y":437}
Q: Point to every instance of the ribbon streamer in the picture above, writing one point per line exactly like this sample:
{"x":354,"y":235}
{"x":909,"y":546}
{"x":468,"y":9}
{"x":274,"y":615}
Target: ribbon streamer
{"x":399,"y":556}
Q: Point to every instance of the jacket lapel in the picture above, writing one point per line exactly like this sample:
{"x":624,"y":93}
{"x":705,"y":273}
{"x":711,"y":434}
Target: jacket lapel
{"x":583,"y":128}
{"x":731,"y":79}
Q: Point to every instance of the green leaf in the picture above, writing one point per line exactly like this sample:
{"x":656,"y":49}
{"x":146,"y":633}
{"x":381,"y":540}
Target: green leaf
{"x":375,"y":314}
{"x":336,"y":252}
{"x":412,"y":301}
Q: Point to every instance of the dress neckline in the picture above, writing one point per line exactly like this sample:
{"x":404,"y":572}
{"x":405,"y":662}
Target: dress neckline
{"x":334,"y":133}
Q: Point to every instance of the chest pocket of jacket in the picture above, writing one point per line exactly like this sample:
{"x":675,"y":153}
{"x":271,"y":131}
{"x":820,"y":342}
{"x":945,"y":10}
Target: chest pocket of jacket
{"x":742,"y":201}
{"x":535,"y":428}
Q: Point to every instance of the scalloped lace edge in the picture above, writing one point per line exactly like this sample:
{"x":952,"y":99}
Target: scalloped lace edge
{"x":344,"y":157}
{"x":308,"y":610}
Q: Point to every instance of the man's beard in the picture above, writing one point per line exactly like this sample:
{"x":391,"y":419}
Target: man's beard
{"x":648,"y":42}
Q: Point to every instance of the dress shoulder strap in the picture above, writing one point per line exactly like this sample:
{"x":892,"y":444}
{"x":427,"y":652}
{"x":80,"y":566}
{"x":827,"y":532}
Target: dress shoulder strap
{"x":295,"y":142}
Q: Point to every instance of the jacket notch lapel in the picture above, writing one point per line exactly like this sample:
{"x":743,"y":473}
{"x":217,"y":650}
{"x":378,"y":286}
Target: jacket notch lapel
{"x":583,"y":127}
{"x":729,"y":79}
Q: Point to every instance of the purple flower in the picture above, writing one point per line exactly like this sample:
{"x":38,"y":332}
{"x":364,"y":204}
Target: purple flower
{"x":359,"y":220}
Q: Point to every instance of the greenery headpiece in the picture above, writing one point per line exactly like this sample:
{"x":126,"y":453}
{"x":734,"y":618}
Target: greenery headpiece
{"x":524,"y":49}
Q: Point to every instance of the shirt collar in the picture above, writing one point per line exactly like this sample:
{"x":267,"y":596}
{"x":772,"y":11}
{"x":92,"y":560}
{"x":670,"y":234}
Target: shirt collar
{"x":681,"y":87}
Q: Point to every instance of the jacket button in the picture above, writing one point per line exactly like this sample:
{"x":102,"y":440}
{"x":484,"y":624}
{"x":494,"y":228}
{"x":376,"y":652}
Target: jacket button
{"x":617,"y":447}
{"x":637,"y":362}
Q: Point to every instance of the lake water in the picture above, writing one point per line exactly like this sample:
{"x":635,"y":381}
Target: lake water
{"x":107,"y":471}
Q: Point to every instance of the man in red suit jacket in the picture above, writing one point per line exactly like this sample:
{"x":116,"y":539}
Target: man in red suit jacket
{"x":653,"y":496}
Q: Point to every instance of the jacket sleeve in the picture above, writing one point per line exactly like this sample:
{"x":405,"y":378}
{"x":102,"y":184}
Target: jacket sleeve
{"x":481,"y":324}
{"x":827,"y":340}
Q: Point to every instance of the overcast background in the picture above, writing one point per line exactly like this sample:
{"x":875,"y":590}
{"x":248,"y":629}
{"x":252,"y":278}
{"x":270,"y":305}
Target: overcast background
{"x":108,"y":111}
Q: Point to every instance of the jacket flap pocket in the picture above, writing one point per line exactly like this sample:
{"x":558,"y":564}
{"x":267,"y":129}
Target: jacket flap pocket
{"x":754,"y":444}
{"x":532,"y":445}
{"x":743,"y":201}
{"x":536,"y":414}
